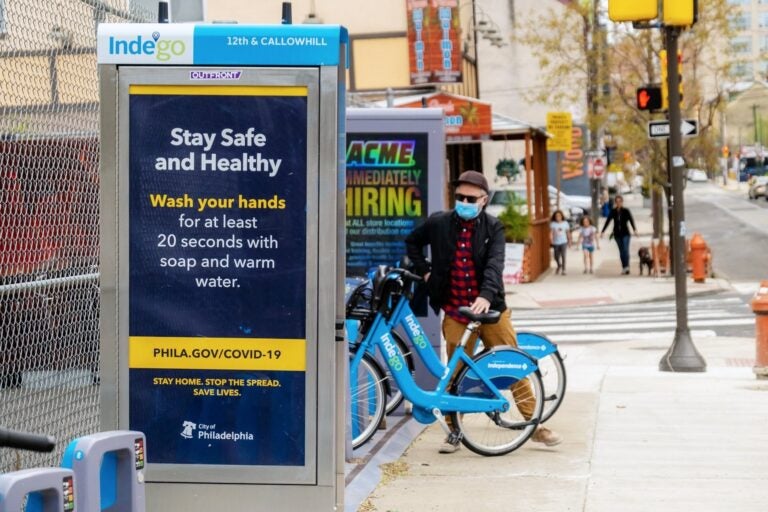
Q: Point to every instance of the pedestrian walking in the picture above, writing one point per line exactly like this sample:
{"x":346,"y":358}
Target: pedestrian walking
{"x":621,"y":218}
{"x":588,"y":240}
{"x":560,"y":239}
{"x":467,"y":248}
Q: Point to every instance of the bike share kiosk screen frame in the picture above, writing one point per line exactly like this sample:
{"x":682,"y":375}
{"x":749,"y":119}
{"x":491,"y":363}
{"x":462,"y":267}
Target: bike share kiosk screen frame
{"x":222,"y":245}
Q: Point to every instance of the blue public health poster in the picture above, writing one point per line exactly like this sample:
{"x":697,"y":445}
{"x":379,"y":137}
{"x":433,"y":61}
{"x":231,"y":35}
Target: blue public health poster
{"x":217,"y":304}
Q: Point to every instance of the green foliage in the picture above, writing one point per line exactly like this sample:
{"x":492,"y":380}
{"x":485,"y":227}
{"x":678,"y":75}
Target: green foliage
{"x":515,"y":223}
{"x":507,"y":168}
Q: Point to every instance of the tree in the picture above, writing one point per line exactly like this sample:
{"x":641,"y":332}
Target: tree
{"x":581,"y":54}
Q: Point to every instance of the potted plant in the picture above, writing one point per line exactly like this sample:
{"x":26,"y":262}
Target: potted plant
{"x":516,"y":233}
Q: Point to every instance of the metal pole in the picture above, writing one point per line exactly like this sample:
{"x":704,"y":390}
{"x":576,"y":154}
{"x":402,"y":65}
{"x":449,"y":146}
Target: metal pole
{"x":682,"y":356}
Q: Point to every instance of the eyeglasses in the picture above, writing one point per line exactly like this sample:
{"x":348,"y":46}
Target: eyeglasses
{"x":468,"y":199}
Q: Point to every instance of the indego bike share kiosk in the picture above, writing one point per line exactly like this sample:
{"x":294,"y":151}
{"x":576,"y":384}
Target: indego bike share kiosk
{"x":222,"y":243}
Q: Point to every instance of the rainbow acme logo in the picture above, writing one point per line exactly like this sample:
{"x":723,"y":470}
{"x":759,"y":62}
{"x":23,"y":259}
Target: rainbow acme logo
{"x":381,"y":153}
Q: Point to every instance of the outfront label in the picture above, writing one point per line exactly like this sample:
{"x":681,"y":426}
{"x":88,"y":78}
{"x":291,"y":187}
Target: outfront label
{"x":217,"y":308}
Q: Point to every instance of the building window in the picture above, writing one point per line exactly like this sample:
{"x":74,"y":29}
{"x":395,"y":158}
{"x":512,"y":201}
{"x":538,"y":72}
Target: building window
{"x":764,"y":20}
{"x":742,"y":45}
{"x":3,"y":26}
{"x":742,"y":22}
{"x":742,"y":69}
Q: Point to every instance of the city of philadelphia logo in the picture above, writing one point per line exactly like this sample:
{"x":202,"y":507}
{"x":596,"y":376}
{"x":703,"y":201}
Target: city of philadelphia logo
{"x":188,"y":429}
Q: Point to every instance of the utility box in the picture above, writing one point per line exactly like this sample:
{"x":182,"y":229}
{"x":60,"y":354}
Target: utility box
{"x":222,"y":260}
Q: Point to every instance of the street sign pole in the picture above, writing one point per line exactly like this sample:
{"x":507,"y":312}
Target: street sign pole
{"x":682,"y":356}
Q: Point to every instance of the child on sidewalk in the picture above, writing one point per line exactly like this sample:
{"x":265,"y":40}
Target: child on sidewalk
{"x":560,"y":238}
{"x":588,"y":239}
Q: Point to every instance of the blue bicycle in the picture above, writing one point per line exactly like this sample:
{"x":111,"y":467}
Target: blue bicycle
{"x":360,"y":316}
{"x":493,"y":399}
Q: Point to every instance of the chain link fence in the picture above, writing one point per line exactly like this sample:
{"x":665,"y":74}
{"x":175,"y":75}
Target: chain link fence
{"x":49,"y":218}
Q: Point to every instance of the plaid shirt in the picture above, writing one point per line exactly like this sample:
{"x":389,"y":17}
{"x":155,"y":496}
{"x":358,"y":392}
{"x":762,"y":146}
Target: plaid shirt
{"x":464,"y":288}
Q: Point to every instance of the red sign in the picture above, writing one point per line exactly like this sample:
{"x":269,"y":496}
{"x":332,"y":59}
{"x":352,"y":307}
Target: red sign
{"x":598,"y":168}
{"x":434,"y":45}
{"x":466,"y":119}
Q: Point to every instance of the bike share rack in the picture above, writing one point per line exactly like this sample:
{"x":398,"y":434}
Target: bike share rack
{"x":49,"y":490}
{"x":100,"y":472}
{"x":109,"y":471}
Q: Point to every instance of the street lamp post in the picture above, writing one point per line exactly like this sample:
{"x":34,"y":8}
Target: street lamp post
{"x":682,"y":356}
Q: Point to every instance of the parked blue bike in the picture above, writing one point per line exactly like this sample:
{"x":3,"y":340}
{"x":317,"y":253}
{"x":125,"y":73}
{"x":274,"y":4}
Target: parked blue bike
{"x":475,"y":391}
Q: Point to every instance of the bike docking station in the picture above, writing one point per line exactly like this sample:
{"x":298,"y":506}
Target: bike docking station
{"x":222,"y":255}
{"x":109,"y":471}
{"x":38,"y":490}
{"x":395,"y":180}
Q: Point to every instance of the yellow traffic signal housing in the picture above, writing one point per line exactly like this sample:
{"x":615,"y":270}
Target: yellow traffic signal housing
{"x":665,"y":78}
{"x":633,"y":10}
{"x":678,"y":13}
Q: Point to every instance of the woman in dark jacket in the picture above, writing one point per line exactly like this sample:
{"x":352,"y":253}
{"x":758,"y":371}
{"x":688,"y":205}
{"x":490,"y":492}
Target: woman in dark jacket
{"x":621,"y":218}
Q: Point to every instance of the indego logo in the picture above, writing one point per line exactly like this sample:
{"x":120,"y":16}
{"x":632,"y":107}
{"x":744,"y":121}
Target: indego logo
{"x":162,"y":49}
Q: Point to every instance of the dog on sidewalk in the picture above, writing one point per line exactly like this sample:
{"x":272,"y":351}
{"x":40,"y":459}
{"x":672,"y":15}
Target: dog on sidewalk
{"x":644,"y":254}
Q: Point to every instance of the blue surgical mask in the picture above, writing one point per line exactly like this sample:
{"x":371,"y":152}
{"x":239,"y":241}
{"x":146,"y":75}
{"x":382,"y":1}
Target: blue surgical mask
{"x":467,"y":211}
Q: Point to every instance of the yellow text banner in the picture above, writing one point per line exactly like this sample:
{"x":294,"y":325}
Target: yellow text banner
{"x":217,"y":353}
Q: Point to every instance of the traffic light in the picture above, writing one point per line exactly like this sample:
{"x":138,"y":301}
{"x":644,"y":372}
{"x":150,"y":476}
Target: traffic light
{"x":679,"y":13}
{"x":726,"y":152}
{"x":649,"y":98}
{"x":633,"y":10}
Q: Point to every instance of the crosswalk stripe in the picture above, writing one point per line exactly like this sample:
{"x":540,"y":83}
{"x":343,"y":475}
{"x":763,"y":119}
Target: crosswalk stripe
{"x":569,"y":319}
{"x":628,"y":336}
{"x":643,"y":325}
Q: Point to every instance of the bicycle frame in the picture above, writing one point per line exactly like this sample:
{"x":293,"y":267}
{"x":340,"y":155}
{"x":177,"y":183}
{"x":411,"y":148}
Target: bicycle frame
{"x":404,"y":316}
{"x":510,"y":364}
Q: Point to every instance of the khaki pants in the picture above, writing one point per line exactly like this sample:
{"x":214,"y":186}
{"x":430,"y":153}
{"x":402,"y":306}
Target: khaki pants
{"x":500,"y":333}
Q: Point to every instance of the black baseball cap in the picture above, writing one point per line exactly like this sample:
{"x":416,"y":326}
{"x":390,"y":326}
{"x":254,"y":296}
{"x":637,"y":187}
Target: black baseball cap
{"x":473,"y":178}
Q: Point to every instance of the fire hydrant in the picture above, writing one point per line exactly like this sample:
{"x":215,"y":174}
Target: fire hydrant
{"x":760,"y":308}
{"x":699,"y":258}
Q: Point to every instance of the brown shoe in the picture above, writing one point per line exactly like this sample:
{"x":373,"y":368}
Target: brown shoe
{"x":546,"y":436}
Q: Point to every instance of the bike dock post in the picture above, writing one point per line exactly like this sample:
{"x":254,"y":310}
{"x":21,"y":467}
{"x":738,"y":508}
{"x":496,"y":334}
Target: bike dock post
{"x":109,"y":471}
{"x":44,"y":489}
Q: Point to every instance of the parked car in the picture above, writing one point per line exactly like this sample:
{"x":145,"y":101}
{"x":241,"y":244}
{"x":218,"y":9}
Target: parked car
{"x":697,"y":175}
{"x":757,"y":187}
{"x":500,"y":198}
{"x":751,"y":166}
{"x":568,"y":201}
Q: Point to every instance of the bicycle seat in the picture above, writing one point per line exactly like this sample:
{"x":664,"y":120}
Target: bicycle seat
{"x":491,"y":317}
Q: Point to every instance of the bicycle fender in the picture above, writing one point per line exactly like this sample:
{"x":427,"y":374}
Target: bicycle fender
{"x":535,"y":344}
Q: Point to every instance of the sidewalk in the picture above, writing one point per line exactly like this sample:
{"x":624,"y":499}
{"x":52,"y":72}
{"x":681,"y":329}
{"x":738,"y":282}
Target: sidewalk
{"x":636,"y":439}
{"x":606,"y":285}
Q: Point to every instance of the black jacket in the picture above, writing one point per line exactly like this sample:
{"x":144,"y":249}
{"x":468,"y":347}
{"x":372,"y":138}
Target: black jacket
{"x":440,"y":232}
{"x":620,"y":220}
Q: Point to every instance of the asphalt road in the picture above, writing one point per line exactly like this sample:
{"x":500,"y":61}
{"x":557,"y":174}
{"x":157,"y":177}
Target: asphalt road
{"x":735,"y":228}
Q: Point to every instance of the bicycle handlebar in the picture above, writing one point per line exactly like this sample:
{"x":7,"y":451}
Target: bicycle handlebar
{"x":406,"y":274}
{"x":25,"y":441}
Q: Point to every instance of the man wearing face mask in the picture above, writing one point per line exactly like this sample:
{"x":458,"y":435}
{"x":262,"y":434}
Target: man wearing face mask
{"x":467,"y":249}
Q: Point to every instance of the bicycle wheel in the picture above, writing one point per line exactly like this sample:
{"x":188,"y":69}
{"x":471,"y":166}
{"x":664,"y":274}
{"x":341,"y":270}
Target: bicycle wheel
{"x":498,"y":433}
{"x":395,"y":396}
{"x":554,"y":380}
{"x":366,"y":399}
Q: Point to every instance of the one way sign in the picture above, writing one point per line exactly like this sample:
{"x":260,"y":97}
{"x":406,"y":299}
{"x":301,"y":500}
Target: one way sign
{"x":660,"y":129}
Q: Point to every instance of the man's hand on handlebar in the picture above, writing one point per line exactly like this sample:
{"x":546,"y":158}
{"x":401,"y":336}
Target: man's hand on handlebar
{"x":480,"y":305}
